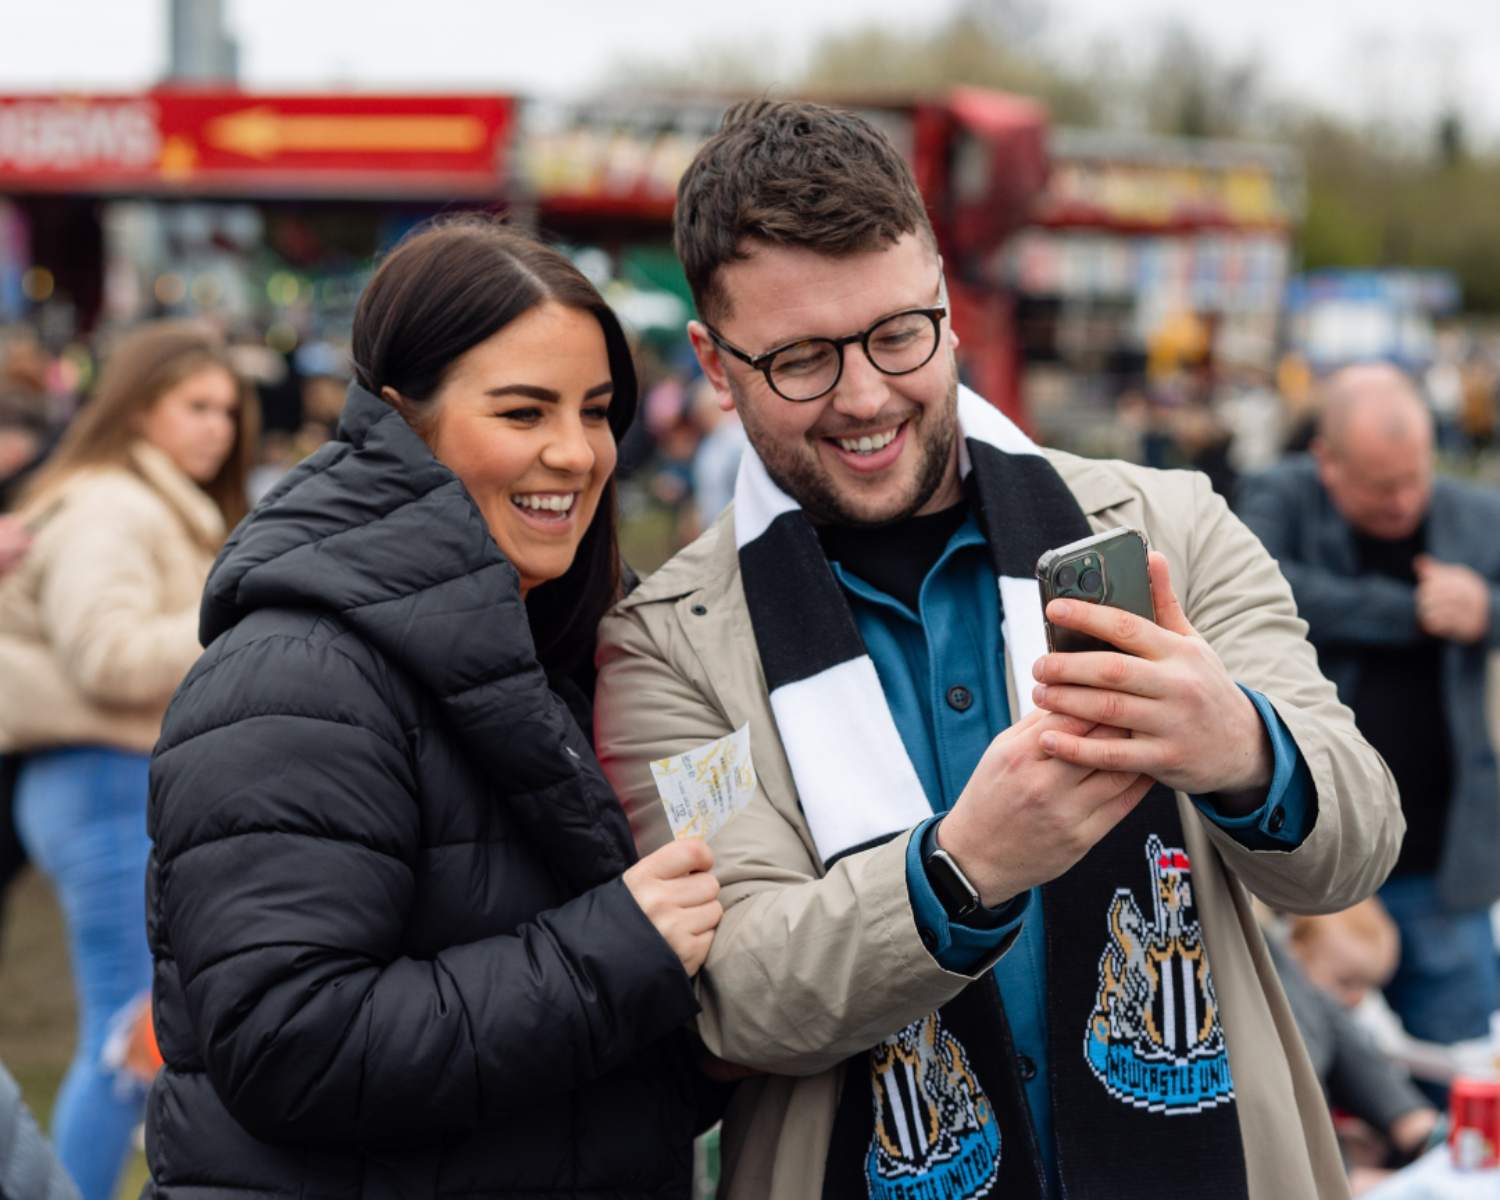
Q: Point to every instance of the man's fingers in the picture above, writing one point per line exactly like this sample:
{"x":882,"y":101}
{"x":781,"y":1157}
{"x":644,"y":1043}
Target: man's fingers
{"x":1056,"y":722}
{"x":1106,"y":669}
{"x":1169,"y":614}
{"x":1099,"y":754}
{"x":1040,"y":718}
{"x":1115,"y":809}
{"x":1034,"y":717}
{"x":1064,"y":723}
{"x":1103,"y":707}
{"x":1101,"y":785}
{"x":1125,"y":630}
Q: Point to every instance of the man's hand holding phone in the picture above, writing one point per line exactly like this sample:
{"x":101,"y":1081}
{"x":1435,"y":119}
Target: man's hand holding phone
{"x":1027,"y":815}
{"x":1188,"y":724}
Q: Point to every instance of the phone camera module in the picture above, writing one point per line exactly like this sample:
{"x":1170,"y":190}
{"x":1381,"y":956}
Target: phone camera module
{"x":1067,"y":576}
{"x":1090,"y":581}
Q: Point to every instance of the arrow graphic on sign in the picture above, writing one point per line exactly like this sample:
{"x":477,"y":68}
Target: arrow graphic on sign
{"x":264,"y":133}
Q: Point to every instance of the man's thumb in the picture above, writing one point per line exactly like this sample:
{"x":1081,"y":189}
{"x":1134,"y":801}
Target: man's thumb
{"x":1169,"y":614}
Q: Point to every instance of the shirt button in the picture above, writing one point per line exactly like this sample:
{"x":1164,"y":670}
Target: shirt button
{"x":1026,"y":1067}
{"x":929,"y":939}
{"x":960,"y":699}
{"x":1278,"y":819}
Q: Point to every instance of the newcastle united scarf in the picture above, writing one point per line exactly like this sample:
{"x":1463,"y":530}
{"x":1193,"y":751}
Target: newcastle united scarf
{"x":1143,"y":1102}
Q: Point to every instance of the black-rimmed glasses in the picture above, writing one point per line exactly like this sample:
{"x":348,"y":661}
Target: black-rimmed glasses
{"x":812,"y":367}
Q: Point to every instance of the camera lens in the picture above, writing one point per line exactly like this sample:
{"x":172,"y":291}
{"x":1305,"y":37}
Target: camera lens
{"x":1067,"y":576}
{"x":1089,"y":581}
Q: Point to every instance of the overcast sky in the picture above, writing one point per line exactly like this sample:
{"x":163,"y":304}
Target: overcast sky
{"x":1388,"y":57}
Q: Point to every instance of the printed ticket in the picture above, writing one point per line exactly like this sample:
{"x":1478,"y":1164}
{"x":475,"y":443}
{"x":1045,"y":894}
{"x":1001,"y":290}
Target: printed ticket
{"x":702,"y":788}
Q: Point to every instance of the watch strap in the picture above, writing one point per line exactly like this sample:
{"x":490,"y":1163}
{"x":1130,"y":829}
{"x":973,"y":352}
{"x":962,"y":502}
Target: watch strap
{"x":958,"y":896}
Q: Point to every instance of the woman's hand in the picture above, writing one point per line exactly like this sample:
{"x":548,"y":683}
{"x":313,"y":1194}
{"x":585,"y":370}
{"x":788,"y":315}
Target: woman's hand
{"x":680,"y":897}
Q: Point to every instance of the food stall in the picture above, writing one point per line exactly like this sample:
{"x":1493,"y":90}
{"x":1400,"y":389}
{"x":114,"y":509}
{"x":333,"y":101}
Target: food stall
{"x":1145,"y":253}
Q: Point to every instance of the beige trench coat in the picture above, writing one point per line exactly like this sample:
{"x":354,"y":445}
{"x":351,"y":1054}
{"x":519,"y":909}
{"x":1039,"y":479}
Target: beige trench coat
{"x":810,"y":968}
{"x":99,"y":622}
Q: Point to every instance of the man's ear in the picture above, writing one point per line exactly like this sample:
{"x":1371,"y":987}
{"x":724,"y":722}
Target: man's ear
{"x":1325,"y":457}
{"x":712,"y":364}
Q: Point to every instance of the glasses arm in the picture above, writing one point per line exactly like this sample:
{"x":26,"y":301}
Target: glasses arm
{"x":724,"y":343}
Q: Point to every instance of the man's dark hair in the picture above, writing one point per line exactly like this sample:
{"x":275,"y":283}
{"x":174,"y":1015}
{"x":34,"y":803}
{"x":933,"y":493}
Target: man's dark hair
{"x":790,"y":173}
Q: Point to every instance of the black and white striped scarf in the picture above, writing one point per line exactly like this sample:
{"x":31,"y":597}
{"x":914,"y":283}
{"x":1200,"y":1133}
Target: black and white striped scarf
{"x":1114,"y":1104}
{"x":815,"y":663}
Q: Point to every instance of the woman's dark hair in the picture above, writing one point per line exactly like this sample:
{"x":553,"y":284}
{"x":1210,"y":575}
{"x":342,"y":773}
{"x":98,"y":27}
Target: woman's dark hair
{"x":443,"y":290}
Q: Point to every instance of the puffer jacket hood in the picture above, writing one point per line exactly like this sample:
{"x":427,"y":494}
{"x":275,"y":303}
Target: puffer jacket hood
{"x":374,"y":529}
{"x":307,"y":544}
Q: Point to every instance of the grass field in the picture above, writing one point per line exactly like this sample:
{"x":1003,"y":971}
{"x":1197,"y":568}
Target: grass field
{"x":36,"y":1003}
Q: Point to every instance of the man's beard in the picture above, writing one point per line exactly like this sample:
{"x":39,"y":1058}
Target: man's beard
{"x":801,"y":475}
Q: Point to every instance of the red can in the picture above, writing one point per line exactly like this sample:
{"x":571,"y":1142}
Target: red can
{"x":1474,"y":1123}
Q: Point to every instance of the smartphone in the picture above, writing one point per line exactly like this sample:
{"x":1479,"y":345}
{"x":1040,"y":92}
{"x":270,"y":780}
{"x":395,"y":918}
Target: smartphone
{"x":1107,"y":568}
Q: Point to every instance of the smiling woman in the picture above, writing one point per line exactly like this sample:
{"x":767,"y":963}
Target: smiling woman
{"x":416,"y":955}
{"x":536,"y":456}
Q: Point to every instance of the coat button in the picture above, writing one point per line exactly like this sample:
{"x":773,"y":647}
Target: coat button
{"x":960,"y":699}
{"x":1277,"y":820}
{"x":699,"y":610}
{"x":1026,"y":1067}
{"x":929,"y":939}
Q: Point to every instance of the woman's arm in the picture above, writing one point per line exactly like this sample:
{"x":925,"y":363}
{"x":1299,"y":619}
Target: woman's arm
{"x":289,"y":844}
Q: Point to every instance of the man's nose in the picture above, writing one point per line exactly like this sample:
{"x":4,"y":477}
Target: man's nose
{"x":862,"y":390}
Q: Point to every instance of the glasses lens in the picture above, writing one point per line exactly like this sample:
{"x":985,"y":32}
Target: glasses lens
{"x":903,"y":342}
{"x":805,"y":370}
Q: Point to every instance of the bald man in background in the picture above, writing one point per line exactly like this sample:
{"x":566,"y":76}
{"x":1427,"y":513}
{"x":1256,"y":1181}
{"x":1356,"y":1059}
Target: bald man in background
{"x":1398,"y":577}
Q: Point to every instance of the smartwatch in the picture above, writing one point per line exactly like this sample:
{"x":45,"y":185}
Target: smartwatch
{"x":959,"y":897}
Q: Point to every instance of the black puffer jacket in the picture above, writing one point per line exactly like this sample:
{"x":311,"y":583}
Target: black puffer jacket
{"x":393,"y":954}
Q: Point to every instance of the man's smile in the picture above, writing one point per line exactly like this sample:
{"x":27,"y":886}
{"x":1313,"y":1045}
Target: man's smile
{"x":870,"y":452}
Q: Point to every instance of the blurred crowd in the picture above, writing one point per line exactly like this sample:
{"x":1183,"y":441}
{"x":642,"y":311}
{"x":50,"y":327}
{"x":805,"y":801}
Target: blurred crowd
{"x":677,"y":470}
{"x":1236,"y":418}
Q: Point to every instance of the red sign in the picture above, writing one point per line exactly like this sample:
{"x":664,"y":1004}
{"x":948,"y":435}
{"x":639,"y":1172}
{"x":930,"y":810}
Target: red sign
{"x":201,"y":141}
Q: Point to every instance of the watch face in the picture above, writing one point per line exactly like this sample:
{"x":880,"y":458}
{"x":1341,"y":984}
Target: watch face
{"x":951,"y":885}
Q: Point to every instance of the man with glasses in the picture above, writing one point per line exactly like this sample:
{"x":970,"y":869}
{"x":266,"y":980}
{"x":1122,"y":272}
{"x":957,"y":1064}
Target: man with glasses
{"x":972,"y":902}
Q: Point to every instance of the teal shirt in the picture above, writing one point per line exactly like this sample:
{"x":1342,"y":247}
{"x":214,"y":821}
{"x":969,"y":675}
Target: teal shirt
{"x":942,"y":669}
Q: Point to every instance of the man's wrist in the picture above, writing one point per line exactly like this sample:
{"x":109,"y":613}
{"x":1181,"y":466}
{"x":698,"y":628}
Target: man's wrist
{"x":947,"y":836}
{"x":1243,"y":794}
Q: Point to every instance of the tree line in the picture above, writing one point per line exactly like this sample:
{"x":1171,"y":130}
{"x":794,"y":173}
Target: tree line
{"x":1378,"y":193}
